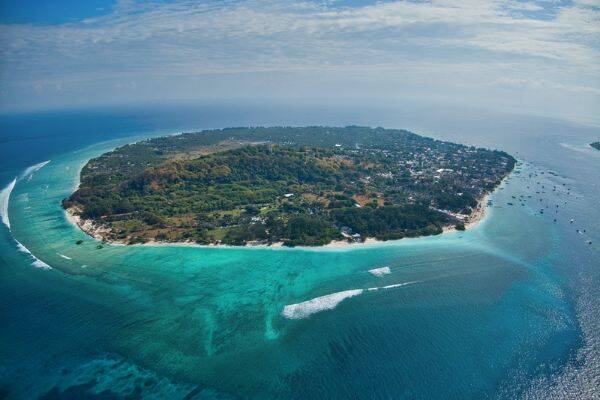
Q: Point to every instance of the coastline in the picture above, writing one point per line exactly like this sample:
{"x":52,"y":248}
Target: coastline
{"x":100,"y":230}
{"x":87,"y":226}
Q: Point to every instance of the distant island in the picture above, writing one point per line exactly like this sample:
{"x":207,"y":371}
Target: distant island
{"x":288,"y":186}
{"x":595,"y":145}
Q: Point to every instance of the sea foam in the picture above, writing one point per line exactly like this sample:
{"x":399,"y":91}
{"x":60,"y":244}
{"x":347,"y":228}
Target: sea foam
{"x":393,"y":286}
{"x":34,"y":168}
{"x":36,"y":262}
{"x":396,"y":285}
{"x":327,"y":302}
{"x":330,"y":301}
{"x":4,"y":197}
{"x":5,"y":193}
{"x":380,"y":271}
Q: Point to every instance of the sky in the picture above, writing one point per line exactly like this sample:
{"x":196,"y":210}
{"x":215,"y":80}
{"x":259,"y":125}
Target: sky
{"x":539,"y":57}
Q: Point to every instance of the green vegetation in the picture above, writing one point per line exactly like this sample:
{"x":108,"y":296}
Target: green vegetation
{"x":299,"y":186}
{"x":595,"y":145}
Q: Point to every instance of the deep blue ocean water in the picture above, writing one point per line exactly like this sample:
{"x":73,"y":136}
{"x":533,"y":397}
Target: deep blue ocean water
{"x":508,"y":309}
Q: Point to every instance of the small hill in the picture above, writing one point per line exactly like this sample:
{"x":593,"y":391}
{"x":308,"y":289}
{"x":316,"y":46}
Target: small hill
{"x":298,"y":186}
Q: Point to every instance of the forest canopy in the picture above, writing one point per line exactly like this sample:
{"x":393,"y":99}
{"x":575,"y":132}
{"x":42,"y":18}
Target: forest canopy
{"x":298,"y":186}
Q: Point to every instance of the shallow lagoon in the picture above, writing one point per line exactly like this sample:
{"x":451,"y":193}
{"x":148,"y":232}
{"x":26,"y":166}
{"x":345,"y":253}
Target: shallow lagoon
{"x":494,"y":312}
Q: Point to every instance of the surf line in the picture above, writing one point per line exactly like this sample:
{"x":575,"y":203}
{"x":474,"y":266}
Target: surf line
{"x":329,"y":301}
{"x":36,"y":262}
{"x":4,"y":197}
{"x":34,"y":168}
{"x":4,"y":201}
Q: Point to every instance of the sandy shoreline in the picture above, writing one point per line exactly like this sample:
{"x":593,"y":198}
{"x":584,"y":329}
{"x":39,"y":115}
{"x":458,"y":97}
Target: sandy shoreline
{"x":95,"y":232}
{"x":87,"y":226}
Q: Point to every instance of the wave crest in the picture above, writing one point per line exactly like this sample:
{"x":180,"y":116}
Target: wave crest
{"x":380,"y":271}
{"x":32,"y":169}
{"x":330,"y":301}
{"x":4,"y":198}
{"x":5,"y":193}
{"x":327,"y":302}
{"x":36,"y":262}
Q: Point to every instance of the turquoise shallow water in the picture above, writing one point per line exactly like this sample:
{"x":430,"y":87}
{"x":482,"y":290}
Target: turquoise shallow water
{"x":505,"y":310}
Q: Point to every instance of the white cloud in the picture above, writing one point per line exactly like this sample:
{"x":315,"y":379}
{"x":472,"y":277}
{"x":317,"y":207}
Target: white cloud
{"x":541,"y":41}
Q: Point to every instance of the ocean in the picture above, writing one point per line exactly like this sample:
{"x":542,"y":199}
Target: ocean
{"x":509,"y":309}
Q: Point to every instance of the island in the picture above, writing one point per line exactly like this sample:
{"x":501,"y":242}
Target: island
{"x":292,"y":186}
{"x":595,"y":145}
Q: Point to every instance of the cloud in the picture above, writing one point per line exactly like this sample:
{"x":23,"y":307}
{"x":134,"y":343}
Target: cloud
{"x":543,"y":84}
{"x":146,"y":42}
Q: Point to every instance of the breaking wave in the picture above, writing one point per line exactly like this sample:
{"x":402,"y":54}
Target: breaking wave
{"x":395,"y":285}
{"x":65,"y":257}
{"x":327,"y":302}
{"x":5,"y":193}
{"x":4,"y":200}
{"x":330,"y":301}
{"x":4,"y":197}
{"x":36,"y":262}
{"x":380,"y":271}
{"x":34,"y":168}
